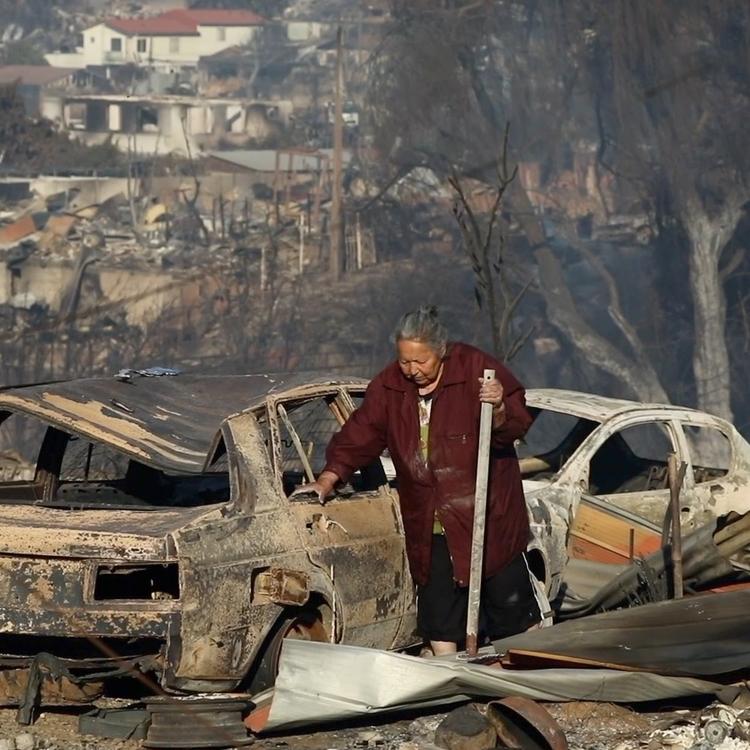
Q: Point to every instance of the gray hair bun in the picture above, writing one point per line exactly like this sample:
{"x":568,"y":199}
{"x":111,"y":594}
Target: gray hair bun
{"x":423,"y":324}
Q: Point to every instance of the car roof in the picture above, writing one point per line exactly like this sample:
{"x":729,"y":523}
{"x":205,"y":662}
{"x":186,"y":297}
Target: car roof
{"x":588,"y":405}
{"x":169,"y":422}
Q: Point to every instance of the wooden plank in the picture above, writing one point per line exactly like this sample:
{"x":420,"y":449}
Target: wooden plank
{"x":601,"y":535}
{"x":522,"y":659}
{"x":728,"y":587}
{"x":582,"y":549}
{"x":676,"y":472}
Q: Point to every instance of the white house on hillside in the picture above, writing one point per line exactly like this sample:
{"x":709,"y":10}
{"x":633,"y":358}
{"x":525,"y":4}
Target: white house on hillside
{"x":173,"y":39}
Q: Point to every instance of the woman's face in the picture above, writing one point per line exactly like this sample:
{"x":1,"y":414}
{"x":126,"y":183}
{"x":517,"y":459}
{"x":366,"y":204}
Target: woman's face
{"x":418,"y":361}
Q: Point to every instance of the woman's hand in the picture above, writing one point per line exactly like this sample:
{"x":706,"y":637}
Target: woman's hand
{"x":491,"y":392}
{"x":322,"y":487}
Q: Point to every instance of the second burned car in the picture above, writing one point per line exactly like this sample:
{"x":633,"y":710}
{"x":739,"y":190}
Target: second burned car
{"x":595,"y":476}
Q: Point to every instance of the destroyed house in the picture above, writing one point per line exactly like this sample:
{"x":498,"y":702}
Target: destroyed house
{"x":32,"y":82}
{"x":161,"y":124}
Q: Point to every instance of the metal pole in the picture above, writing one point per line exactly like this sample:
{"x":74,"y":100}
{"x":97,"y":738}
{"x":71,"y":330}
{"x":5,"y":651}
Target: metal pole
{"x":336,"y":261}
{"x":477,"y":537}
{"x":288,"y":180}
{"x":276,"y":189}
{"x":301,"y":226}
{"x":359,"y":242}
{"x":676,"y":476}
{"x":297,"y":443}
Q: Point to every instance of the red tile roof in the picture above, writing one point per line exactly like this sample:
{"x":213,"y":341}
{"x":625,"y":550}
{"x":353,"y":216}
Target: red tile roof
{"x":216,"y":17}
{"x":180,"y":22}
{"x":155,"y":26}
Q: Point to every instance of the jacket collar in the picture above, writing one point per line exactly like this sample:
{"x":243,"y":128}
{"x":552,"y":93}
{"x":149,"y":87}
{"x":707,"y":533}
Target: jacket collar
{"x":452,"y":373}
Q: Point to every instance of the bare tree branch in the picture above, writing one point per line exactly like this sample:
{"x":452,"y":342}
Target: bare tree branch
{"x":492,"y":283}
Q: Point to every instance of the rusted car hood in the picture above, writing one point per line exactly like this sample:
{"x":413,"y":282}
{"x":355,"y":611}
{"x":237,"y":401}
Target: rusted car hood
{"x":110,"y":534}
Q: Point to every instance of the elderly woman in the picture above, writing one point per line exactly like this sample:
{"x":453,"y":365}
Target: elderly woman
{"x":425,"y":409}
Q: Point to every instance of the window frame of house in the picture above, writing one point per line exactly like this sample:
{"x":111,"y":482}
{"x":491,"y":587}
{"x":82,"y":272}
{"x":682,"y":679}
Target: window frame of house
{"x":221,"y":33}
{"x":141,"y":45}
{"x":174,"y":44}
{"x":115,"y":44}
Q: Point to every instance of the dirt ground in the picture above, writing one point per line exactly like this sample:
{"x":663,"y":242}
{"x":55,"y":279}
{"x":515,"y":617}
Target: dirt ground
{"x":587,"y":726}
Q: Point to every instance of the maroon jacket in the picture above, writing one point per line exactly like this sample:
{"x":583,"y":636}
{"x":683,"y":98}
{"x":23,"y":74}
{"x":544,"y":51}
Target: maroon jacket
{"x":388,"y":417}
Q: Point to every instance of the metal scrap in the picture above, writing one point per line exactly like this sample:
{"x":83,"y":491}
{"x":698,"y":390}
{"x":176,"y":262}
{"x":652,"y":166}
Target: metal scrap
{"x":210,"y":721}
{"x":523,"y":723}
{"x":112,"y":585}
{"x":320,"y":683}
{"x":127,"y":375}
{"x":718,"y":727}
{"x":696,"y":636}
{"x":708,"y":557}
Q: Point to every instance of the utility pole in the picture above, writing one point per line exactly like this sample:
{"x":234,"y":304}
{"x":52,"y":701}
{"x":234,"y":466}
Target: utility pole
{"x":336,"y":261}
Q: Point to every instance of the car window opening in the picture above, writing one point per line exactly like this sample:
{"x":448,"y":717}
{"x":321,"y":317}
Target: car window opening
{"x":551,"y":440}
{"x":313,"y":423}
{"x":72,"y":471}
{"x":20,"y":438}
{"x":632,"y":460}
{"x":710,"y":452}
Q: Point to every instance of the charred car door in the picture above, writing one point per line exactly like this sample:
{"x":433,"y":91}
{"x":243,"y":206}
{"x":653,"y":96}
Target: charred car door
{"x":714,"y":456}
{"x":356,"y":537}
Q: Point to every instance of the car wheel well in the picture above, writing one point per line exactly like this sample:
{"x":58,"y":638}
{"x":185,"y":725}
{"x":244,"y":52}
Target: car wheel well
{"x":320,"y":604}
{"x":312,"y":621}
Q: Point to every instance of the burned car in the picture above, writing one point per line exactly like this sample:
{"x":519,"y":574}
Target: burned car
{"x":595,"y":476}
{"x":155,"y":534}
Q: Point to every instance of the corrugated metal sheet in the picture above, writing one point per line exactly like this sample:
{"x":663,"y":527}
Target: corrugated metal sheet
{"x":320,"y":683}
{"x":169,"y":422}
{"x":698,"y":635}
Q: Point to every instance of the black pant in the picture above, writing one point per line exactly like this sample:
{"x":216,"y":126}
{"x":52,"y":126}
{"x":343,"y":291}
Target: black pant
{"x":508,"y":603}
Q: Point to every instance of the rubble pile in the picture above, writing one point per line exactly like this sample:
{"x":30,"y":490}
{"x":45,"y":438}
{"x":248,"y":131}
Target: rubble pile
{"x":86,"y":284}
{"x":718,"y":727}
